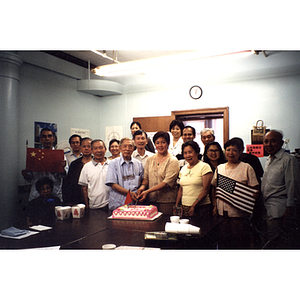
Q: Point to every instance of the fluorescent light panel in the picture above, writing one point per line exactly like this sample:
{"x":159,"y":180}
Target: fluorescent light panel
{"x":140,"y":66}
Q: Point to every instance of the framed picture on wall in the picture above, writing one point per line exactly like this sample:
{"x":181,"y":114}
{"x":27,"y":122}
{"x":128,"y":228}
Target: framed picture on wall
{"x":38,"y":126}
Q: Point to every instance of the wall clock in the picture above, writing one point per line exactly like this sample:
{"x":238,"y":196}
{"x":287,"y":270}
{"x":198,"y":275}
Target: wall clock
{"x":196,"y":92}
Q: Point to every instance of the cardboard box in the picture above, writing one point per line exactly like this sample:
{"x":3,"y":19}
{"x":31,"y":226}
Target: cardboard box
{"x":63,"y":212}
{"x":78,"y":211}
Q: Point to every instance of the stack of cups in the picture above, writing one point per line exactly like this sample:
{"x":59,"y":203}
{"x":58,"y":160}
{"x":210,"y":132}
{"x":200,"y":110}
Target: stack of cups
{"x":178,"y":225}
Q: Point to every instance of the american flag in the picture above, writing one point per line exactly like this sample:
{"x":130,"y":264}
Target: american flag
{"x":237,"y":194}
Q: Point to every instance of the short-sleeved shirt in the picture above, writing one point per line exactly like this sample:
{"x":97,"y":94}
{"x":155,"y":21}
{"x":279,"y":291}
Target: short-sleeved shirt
{"x":192,"y":183}
{"x":166,"y":172}
{"x":142,"y":159}
{"x":127,"y":174}
{"x":243,"y":173}
{"x":93,"y":175}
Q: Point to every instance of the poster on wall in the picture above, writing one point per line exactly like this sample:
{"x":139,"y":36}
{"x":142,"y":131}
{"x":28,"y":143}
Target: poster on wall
{"x":38,"y":126}
{"x":82,"y":132}
{"x":113,"y":132}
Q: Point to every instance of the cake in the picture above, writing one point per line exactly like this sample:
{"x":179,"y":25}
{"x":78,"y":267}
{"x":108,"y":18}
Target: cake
{"x":139,"y":212}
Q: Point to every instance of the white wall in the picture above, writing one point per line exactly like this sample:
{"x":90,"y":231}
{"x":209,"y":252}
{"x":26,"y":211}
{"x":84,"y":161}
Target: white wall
{"x":273,"y":97}
{"x":47,"y":96}
{"x":253,"y":88}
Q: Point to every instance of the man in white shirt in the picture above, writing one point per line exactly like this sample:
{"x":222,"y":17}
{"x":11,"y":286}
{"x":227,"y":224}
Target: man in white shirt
{"x":140,"y":140}
{"x":280,"y":185}
{"x":93,"y":176}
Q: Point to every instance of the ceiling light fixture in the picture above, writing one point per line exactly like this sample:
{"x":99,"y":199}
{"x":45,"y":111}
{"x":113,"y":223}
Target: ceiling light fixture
{"x":140,"y":66}
{"x":113,"y":59}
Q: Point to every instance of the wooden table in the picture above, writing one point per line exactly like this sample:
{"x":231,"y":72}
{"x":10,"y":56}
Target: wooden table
{"x":96,"y":229}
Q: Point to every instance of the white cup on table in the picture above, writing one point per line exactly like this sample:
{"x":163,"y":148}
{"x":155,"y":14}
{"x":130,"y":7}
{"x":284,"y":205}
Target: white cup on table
{"x":174,"y":219}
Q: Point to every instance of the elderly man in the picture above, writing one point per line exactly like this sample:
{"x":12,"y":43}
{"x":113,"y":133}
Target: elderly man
{"x":207,"y":135}
{"x":92,"y":178}
{"x":124,"y":174}
{"x":280,"y":184}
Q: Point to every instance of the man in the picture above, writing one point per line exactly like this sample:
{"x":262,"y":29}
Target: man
{"x":207,"y":136}
{"x":75,"y":142}
{"x":47,"y":138}
{"x":140,"y":140}
{"x":280,"y":185}
{"x":71,"y":189}
{"x":124,"y":174}
{"x":188,"y":134}
{"x":92,"y":178}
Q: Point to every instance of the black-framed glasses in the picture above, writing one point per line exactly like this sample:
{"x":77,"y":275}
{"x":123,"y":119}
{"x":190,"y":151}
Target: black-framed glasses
{"x":213,"y":151}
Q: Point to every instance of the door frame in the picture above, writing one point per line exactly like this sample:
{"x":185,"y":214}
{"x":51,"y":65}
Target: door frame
{"x":223,"y":110}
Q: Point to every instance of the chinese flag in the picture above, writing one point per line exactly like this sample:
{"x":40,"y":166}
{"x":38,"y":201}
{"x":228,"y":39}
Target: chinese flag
{"x":44,"y":160}
{"x":128,"y":198}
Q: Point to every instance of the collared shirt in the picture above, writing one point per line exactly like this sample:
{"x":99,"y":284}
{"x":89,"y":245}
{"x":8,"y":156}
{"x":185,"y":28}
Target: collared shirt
{"x":93,"y":175}
{"x":71,"y":156}
{"x":174,"y":150}
{"x":280,"y":183}
{"x":142,"y":159}
{"x":126,"y":174}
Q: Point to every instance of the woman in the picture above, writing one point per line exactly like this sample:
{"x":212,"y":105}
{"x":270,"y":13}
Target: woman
{"x":160,"y":174}
{"x":195,"y":178}
{"x":135,"y":126}
{"x":114,"y":149}
{"x":176,"y":128}
{"x":213,"y":155}
{"x":235,"y":221}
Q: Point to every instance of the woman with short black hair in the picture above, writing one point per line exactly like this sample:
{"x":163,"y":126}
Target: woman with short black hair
{"x":114,"y":149}
{"x":195,"y":178}
{"x":160,"y":174}
{"x":176,"y":127}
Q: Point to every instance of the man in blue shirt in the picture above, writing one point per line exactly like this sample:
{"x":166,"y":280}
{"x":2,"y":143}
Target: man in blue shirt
{"x":280,"y":185}
{"x":124,"y":174}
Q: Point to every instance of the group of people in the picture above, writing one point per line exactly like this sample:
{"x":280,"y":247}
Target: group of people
{"x":171,"y":173}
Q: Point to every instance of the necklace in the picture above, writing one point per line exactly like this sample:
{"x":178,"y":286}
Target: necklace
{"x":161,"y":160}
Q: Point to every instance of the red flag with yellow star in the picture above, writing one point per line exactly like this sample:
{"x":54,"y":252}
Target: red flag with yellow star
{"x":44,"y":160}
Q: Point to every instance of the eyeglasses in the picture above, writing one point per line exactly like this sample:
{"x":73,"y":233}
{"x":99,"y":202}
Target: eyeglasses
{"x":213,"y":151}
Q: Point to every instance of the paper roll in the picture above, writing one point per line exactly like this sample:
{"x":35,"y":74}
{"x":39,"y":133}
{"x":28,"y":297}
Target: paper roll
{"x":181,"y":228}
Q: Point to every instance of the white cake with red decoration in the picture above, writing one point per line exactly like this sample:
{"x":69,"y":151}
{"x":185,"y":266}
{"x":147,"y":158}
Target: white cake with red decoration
{"x":138,"y":212}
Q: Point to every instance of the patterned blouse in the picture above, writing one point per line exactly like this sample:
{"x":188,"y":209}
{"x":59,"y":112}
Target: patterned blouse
{"x":167,"y":171}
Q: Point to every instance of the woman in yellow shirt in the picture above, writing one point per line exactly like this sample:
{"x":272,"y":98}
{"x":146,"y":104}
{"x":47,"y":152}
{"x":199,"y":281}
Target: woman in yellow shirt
{"x":195,"y":178}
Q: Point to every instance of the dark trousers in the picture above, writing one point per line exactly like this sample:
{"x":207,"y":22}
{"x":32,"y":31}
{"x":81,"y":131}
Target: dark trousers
{"x":235,"y":233}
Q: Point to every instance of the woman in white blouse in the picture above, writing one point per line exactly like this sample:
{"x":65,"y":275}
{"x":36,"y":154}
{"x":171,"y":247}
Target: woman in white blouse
{"x":176,"y":127}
